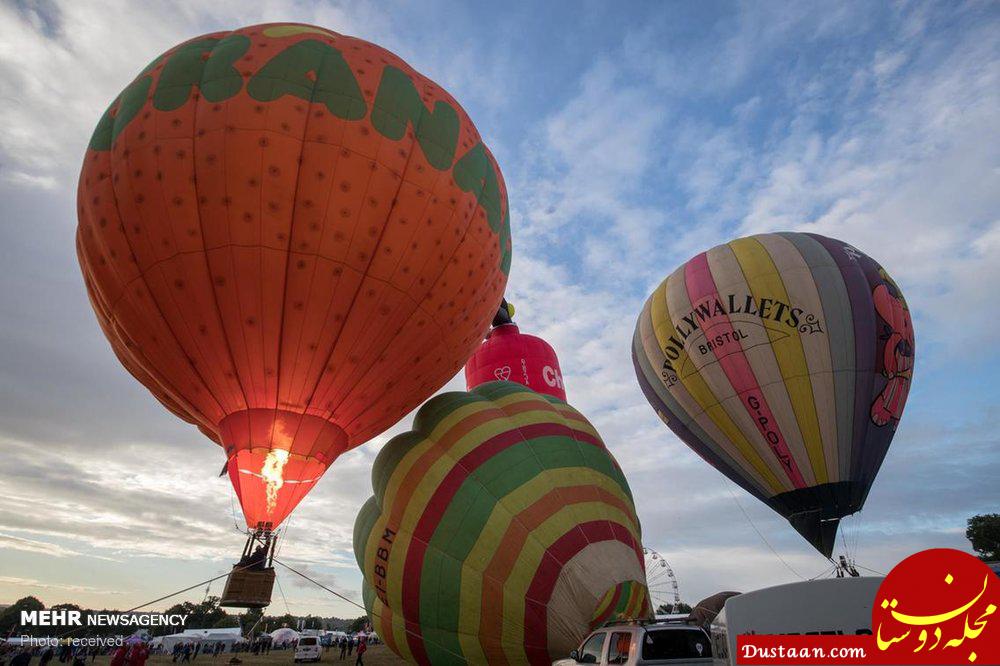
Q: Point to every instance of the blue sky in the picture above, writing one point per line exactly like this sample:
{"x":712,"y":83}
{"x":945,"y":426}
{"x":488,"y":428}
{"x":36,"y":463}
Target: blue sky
{"x":630,"y":138}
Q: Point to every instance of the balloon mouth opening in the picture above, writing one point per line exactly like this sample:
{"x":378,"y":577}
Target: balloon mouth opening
{"x":275,"y":457}
{"x":282,"y":430}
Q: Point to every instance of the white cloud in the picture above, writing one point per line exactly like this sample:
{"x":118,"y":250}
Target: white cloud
{"x":38,"y":584}
{"x":579,"y":188}
{"x":17,"y":178}
{"x":914,"y":180}
{"x":32,"y":546}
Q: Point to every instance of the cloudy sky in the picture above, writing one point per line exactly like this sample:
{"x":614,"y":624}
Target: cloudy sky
{"x":629,"y":142}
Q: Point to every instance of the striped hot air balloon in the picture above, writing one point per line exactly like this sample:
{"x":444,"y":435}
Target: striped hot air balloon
{"x":500,"y":531}
{"x":783,"y":360}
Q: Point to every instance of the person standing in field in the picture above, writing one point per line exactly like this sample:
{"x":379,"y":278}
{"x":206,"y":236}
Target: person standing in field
{"x":22,"y":658}
{"x":120,"y":655}
{"x":138,"y":654}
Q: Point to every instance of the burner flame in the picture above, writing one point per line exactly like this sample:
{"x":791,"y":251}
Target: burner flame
{"x":273,"y":472}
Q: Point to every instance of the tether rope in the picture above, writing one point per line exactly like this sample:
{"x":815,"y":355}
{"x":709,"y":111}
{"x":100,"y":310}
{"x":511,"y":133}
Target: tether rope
{"x":762,"y":537}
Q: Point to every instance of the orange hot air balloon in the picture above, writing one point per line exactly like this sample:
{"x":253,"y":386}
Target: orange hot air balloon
{"x":292,"y":239}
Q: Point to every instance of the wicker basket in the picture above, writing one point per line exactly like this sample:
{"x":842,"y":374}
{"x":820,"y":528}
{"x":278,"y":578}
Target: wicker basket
{"x":248,"y":588}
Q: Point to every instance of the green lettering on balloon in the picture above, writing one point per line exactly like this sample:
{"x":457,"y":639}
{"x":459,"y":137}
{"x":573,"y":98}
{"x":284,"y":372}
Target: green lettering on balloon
{"x":221,"y":80}
{"x":181,"y":73}
{"x":101,"y":138}
{"x":398,"y":104}
{"x":107,"y":128}
{"x":208,"y":64}
{"x":505,"y":245}
{"x":474,"y":173}
{"x":312,"y":71}
{"x":132,"y":99}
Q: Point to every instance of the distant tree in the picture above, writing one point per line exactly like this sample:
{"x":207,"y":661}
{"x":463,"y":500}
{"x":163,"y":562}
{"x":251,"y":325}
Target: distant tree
{"x":180,"y":609}
{"x":200,"y":616}
{"x":357,"y":624}
{"x":337,"y":624}
{"x":673,"y":608}
{"x":313,"y":622}
{"x":10,"y":617}
{"x":984,"y":533}
{"x":187,"y":608}
{"x":227,"y":620}
{"x":251,"y":620}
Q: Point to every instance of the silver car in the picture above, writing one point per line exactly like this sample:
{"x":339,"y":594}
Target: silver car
{"x":638,"y":643}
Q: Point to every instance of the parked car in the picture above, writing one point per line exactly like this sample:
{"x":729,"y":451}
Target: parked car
{"x":308,"y":649}
{"x":639,"y":643}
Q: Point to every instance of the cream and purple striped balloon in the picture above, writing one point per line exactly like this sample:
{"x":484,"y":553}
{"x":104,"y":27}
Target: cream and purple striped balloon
{"x":784,"y":360}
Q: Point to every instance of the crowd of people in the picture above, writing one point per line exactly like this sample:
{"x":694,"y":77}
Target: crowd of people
{"x":348,"y":644}
{"x":187,"y":652}
{"x":22,"y":655}
{"x":136,"y":653}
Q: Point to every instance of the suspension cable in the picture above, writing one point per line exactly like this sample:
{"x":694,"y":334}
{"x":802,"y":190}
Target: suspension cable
{"x":373,"y":614}
{"x":762,"y":538}
{"x":167,"y":596}
{"x":282,"y":590}
{"x":316,"y":582}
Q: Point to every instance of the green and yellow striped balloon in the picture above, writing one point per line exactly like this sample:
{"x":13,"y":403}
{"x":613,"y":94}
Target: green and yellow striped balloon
{"x":500,"y":531}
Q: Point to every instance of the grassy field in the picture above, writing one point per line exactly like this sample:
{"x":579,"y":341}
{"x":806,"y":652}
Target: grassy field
{"x":377,"y":655}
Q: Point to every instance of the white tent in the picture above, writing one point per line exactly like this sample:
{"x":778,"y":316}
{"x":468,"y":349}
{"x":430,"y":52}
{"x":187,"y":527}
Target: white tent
{"x":284,"y":635}
{"x":227,"y":636}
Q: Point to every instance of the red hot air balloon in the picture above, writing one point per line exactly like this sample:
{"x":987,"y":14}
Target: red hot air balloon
{"x":509,"y":355}
{"x":292,"y":239}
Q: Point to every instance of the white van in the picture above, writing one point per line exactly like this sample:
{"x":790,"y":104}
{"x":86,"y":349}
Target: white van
{"x":838,"y":606}
{"x":308,"y":649}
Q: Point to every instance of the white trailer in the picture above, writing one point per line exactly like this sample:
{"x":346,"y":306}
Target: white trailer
{"x":834,"y":606}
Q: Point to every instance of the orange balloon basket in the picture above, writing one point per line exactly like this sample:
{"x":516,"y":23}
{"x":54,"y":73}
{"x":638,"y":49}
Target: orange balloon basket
{"x":251,"y":581}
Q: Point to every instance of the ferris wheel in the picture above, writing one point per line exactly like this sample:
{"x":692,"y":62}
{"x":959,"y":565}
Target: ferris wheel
{"x":661,"y":582}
